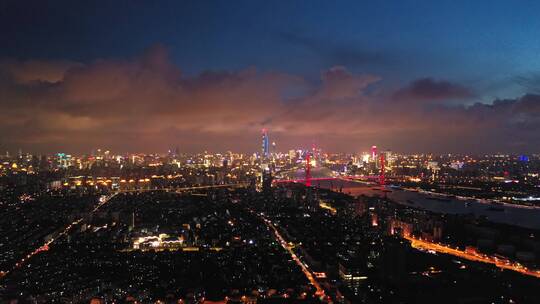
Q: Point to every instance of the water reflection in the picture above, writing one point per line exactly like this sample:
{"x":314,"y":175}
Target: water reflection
{"x":507,"y":214}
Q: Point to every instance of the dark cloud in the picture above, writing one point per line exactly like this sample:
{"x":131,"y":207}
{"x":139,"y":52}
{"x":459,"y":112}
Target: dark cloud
{"x":428,"y":89}
{"x":530,"y":82}
{"x":340,"y":53}
{"x":146,"y":104}
{"x":33,"y":71}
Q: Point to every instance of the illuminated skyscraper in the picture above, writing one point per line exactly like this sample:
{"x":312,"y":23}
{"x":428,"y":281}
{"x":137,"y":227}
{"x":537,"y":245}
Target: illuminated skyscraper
{"x":374,"y":157}
{"x":265,"y":153}
{"x":373,"y":153}
{"x":265,"y":173}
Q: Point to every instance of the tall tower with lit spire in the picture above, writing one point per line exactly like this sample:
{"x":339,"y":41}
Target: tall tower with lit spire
{"x":265,"y":151}
{"x":264,"y":174}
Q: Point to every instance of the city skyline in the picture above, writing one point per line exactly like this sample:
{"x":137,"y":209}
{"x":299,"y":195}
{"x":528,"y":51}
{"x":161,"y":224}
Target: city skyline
{"x":258,"y":152}
{"x":345,"y":83}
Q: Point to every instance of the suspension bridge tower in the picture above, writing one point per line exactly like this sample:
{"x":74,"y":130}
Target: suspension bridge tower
{"x":382,"y":180}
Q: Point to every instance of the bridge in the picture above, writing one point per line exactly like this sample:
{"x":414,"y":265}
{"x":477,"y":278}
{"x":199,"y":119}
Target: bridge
{"x":308,"y":179}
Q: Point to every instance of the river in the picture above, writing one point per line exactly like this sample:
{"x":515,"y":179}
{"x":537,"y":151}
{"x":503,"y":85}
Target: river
{"x":522,"y":216}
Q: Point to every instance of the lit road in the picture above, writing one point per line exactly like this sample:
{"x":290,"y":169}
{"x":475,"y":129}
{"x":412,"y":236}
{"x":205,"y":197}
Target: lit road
{"x":64,"y":232}
{"x":236,"y":185}
{"x":101,"y":203}
{"x":309,"y":275}
{"x":472,"y":255}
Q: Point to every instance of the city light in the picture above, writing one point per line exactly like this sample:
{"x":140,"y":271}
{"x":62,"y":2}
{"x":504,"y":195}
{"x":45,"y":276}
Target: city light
{"x":276,"y":152}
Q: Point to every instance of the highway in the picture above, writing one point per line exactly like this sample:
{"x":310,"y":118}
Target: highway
{"x":236,"y":185}
{"x":472,"y":255}
{"x":309,"y":275}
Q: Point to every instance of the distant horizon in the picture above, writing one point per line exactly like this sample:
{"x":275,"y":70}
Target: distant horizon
{"x":165,"y":152}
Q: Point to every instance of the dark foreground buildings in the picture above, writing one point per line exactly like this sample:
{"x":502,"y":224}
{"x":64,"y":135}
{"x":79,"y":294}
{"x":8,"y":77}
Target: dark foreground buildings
{"x":287,"y":244}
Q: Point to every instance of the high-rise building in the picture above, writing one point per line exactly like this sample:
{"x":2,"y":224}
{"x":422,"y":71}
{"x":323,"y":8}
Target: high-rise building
{"x":265,"y":172}
{"x":265,"y":153}
{"x":292,"y":155}
{"x":373,"y":153}
{"x":374,"y":159}
{"x":352,"y":273}
{"x":389,"y":159}
{"x":266,"y":181}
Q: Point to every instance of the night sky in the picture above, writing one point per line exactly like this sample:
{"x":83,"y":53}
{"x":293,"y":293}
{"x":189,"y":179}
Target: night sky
{"x":147,"y":76}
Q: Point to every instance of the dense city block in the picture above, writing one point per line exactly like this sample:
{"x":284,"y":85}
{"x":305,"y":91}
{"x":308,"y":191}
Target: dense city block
{"x":303,"y":226}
